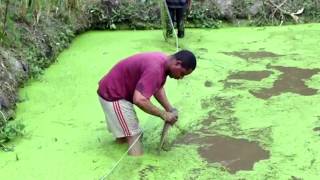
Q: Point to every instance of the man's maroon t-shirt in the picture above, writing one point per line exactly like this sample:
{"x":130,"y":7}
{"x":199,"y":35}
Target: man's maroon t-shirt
{"x":145,"y":72}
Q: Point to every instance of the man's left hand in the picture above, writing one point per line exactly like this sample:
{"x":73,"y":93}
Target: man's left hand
{"x":175,"y":112}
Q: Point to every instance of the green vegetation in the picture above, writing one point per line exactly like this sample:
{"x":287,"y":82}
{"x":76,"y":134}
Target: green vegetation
{"x":9,"y":130}
{"x":38,"y":30}
{"x":66,"y":131}
{"x":34,"y":32}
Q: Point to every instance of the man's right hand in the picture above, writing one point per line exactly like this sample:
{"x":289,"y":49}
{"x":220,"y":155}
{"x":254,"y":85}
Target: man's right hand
{"x":169,"y":117}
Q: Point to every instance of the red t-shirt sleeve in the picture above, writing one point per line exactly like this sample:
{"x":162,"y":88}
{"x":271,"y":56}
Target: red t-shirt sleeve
{"x":149,"y":83}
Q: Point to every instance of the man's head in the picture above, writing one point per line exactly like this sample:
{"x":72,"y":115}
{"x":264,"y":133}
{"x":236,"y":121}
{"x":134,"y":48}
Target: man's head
{"x":181,"y":64}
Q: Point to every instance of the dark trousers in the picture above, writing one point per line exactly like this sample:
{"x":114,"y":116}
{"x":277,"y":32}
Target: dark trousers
{"x":177,"y":16}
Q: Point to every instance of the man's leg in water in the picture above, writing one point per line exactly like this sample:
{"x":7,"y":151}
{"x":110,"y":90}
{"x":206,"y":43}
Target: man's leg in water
{"x":122,"y":122}
{"x":135,"y":145}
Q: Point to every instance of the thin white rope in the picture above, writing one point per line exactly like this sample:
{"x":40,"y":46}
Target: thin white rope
{"x":172,"y":26}
{"x":118,"y":162}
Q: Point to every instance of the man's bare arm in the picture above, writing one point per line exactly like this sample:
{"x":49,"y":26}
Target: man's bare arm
{"x":146,"y":105}
{"x":161,"y":97}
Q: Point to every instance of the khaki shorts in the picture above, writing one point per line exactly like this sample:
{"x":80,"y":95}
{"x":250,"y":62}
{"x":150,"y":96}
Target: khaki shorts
{"x":121,"y":118}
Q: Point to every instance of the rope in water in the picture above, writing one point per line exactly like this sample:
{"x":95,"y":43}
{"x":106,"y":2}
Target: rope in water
{"x":118,"y":162}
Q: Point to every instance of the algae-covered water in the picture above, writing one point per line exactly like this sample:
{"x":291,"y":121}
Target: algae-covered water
{"x":249,"y":111}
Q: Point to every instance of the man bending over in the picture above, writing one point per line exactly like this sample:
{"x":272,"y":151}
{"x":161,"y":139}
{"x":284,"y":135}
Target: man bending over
{"x":133,"y":81}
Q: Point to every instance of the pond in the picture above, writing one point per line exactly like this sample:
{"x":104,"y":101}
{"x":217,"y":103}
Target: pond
{"x":250,"y":110}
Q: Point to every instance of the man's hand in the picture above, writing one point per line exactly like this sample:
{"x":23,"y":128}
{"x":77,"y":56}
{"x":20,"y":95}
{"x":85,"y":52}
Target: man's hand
{"x":175,"y":111}
{"x":169,"y":117}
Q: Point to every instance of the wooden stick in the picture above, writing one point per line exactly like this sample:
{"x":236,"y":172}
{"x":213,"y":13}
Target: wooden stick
{"x":164,"y":134}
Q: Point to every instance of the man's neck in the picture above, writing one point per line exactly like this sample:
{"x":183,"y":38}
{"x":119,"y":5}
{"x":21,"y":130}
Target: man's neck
{"x":168,"y":63}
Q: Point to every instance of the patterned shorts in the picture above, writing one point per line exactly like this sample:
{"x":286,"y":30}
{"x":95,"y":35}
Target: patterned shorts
{"x":121,"y":118}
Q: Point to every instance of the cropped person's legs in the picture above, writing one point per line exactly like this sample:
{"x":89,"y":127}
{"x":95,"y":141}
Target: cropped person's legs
{"x":172,"y":17}
{"x":180,"y":21}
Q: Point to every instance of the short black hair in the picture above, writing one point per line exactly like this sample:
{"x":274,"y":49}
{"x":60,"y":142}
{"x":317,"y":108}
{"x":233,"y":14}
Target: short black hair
{"x":188,"y":59}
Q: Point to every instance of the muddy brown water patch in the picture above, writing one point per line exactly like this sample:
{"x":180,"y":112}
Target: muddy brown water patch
{"x":187,"y":139}
{"x":253,"y":54}
{"x":233,"y":154}
{"x":250,"y":75}
{"x":292,"y":80}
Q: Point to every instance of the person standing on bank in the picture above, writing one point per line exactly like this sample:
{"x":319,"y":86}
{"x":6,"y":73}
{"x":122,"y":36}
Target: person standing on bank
{"x":133,"y":81}
{"x":177,"y":10}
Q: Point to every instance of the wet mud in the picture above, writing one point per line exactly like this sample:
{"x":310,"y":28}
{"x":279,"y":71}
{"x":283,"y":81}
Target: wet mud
{"x":247,"y":55}
{"x":246,"y":75}
{"x":291,"y":80}
{"x":250,"y":75}
{"x":233,"y":154}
